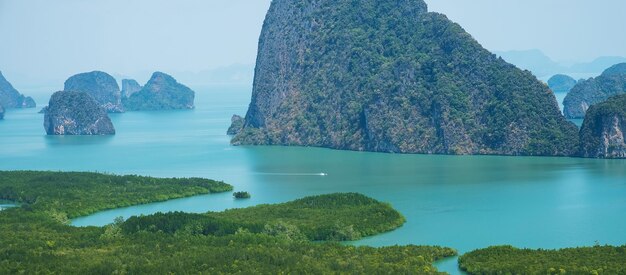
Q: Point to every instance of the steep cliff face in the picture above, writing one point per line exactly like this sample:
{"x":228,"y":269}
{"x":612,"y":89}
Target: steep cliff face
{"x":389,"y":76}
{"x":595,"y":90}
{"x":76,"y":113}
{"x":11,"y":98}
{"x":162,"y":92}
{"x":99,"y":85}
{"x":129,"y":87}
{"x":561,"y":83}
{"x":602,"y":133}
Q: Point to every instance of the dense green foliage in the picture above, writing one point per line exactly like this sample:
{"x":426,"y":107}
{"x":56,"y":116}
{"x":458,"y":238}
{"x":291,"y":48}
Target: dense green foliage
{"x":510,"y":260}
{"x":595,"y":90}
{"x":388,"y":76}
{"x":241,"y":195}
{"x":337,"y":217}
{"x":74,"y":194}
{"x":162,"y":92}
{"x":602,"y":133}
{"x":268,"y":239}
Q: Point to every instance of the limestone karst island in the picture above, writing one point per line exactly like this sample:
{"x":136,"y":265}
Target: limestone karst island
{"x":312,"y":137}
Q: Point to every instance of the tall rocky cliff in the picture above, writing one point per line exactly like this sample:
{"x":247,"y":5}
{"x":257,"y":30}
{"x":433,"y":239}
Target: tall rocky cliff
{"x":602,"y":133}
{"x":99,"y":85}
{"x":11,"y":98}
{"x":561,"y":83}
{"x":76,"y":113}
{"x":388,"y":76}
{"x":162,"y":92}
{"x":595,"y":90}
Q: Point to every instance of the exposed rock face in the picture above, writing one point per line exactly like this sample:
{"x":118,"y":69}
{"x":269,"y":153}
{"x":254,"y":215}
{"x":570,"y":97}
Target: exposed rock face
{"x":602,"y":133}
{"x":129,"y":87}
{"x":11,"y":98}
{"x":76,"y":113}
{"x":162,"y":92}
{"x":1,"y":112}
{"x":388,"y":76}
{"x":99,"y":85}
{"x":236,"y":124}
{"x":561,"y":83}
{"x":595,"y":90}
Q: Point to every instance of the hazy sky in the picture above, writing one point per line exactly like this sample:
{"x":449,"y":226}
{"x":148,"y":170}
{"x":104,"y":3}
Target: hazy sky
{"x":47,"y":38}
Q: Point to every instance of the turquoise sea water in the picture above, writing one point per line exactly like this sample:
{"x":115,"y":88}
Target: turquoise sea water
{"x":465,"y":202}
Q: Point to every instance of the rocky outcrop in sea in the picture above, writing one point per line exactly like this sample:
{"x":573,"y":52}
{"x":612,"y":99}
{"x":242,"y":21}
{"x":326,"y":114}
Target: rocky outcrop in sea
{"x":99,"y":85}
{"x":389,"y":76}
{"x":561,"y":83}
{"x":76,"y":113}
{"x":236,"y":124}
{"x":162,"y":92}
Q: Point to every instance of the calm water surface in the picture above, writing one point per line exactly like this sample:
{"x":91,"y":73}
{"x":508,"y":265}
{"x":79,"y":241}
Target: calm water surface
{"x":465,"y":202}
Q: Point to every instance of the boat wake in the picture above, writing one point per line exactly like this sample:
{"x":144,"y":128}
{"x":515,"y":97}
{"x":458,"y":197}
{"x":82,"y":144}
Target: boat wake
{"x":295,"y":174}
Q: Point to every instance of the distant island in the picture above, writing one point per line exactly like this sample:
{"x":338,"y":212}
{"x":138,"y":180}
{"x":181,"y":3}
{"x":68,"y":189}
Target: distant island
{"x":11,"y":98}
{"x":99,"y":85}
{"x":393,"y":77}
{"x":543,"y":66}
{"x":561,"y":83}
{"x":76,"y":113}
{"x":162,"y":92}
{"x":595,"y":90}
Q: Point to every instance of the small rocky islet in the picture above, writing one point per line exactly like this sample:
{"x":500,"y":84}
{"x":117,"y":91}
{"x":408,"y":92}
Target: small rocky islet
{"x":595,"y":90}
{"x":76,"y":113}
{"x":561,"y":83}
{"x":236,"y":124}
{"x":81,"y":109}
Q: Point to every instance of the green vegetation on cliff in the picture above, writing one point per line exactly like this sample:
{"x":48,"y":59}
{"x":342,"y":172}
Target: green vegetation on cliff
{"x":602,"y":133}
{"x":268,"y":239}
{"x":389,"y":76}
{"x":510,"y":260}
